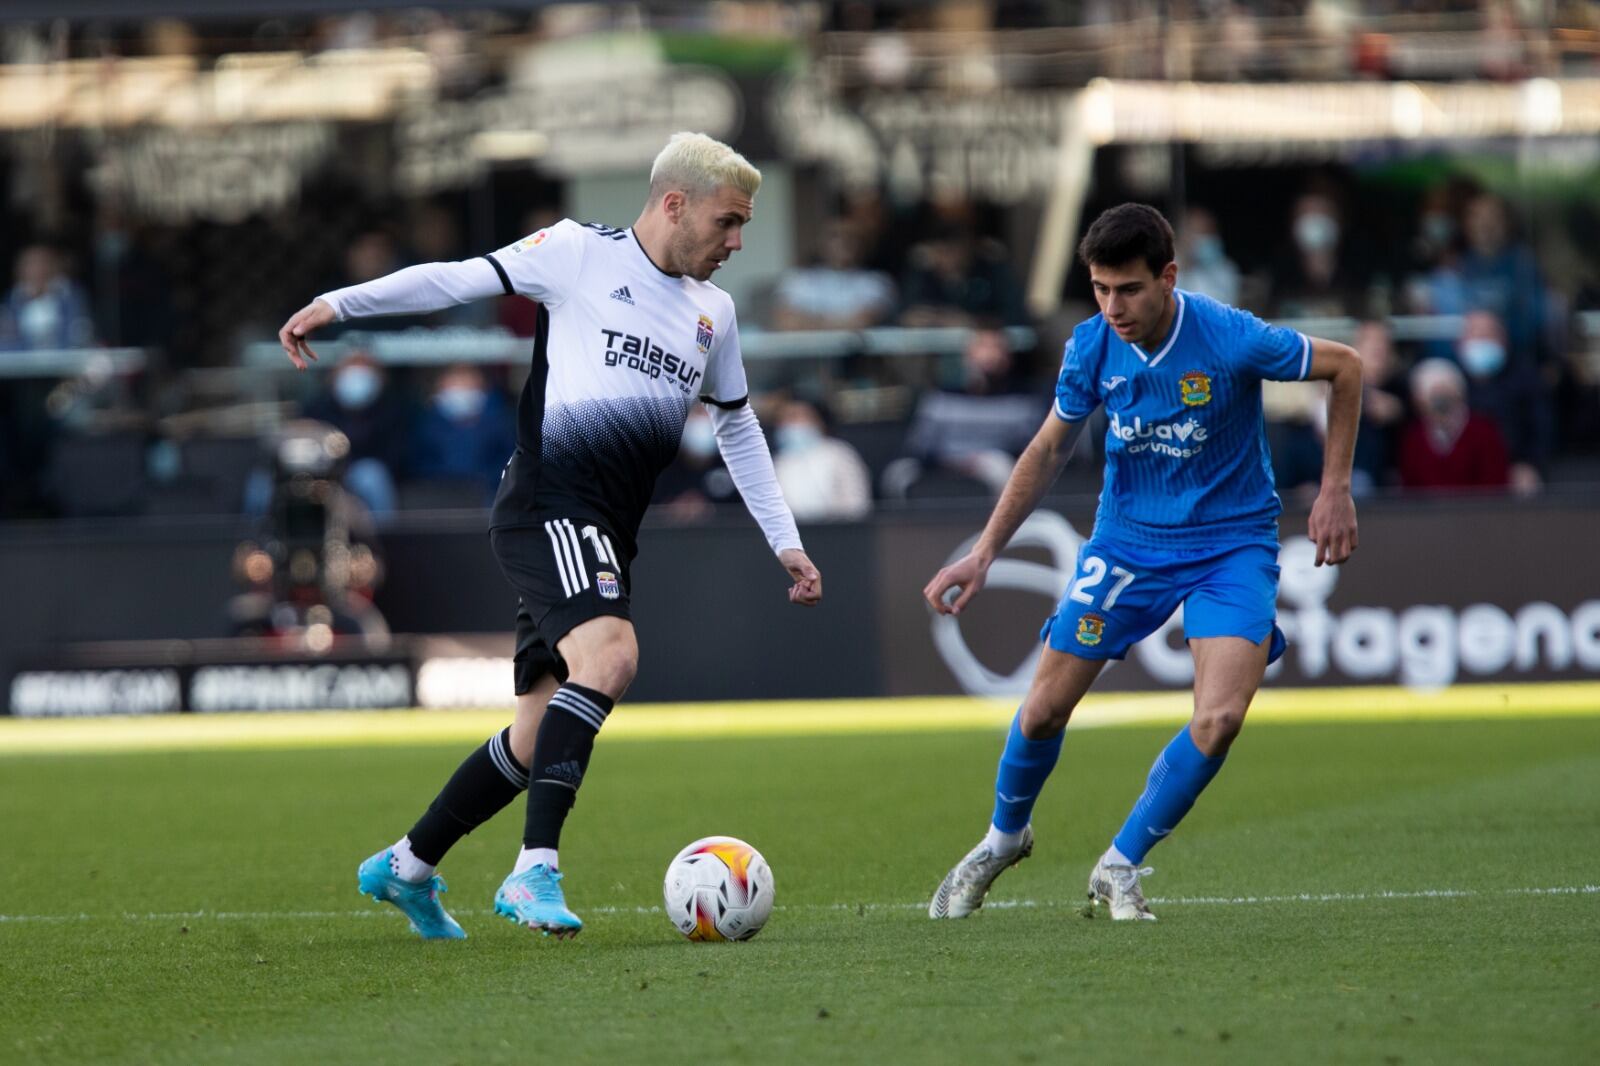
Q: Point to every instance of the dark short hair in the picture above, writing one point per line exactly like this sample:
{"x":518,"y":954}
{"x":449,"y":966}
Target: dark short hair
{"x":1126,"y":233}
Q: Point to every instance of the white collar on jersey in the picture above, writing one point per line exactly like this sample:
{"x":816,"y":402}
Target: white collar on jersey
{"x":638,"y":246}
{"x":1172,"y":338}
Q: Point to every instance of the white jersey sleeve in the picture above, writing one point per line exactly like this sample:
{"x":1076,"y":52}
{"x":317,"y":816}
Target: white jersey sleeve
{"x":725,"y":381}
{"x":416,"y":290}
{"x":744,"y":449}
{"x":743,"y":446}
{"x":544,"y":265}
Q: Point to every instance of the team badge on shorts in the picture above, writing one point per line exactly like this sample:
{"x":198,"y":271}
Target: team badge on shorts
{"x":605,"y":582}
{"x":704,"y":334}
{"x":1091,"y":627}
{"x":1196,"y":388}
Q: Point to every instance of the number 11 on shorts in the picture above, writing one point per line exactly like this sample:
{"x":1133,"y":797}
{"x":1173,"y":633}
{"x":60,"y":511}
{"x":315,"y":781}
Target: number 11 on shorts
{"x":1094,"y":572}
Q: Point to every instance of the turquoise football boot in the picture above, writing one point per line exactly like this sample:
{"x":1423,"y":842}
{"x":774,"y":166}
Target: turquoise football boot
{"x":533,"y":898}
{"x":417,"y":900}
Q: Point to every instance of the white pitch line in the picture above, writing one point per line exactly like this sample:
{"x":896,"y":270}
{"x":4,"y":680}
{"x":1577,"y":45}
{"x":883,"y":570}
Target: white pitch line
{"x":999,"y":904}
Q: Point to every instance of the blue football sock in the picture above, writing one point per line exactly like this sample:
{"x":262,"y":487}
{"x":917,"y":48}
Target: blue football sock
{"x":1181,"y":772}
{"x":1024,"y":766}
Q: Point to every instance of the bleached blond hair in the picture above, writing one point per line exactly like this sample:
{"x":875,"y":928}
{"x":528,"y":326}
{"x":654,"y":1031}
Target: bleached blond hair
{"x":696,"y":164}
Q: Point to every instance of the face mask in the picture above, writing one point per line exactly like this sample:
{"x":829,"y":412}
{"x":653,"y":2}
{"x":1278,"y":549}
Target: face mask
{"x":356,"y":387}
{"x":163,"y":461}
{"x":460,"y":404}
{"x":1442,"y":404}
{"x":1482,"y":357}
{"x":699,"y":438}
{"x":1206,"y":249}
{"x":797,"y":438}
{"x":40,"y":320}
{"x":112,"y":245}
{"x":1438,"y":229}
{"x":1316,"y":232}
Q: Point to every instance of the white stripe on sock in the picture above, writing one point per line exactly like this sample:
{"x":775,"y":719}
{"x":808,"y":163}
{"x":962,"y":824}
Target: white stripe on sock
{"x":585,"y":701}
{"x":505,"y":762}
{"x":587,"y":716}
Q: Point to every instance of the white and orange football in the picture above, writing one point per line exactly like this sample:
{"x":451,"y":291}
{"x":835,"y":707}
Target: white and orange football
{"x":719,"y":888}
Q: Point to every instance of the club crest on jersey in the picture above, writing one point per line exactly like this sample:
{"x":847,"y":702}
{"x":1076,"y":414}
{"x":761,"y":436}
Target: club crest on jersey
{"x":704,"y":334}
{"x":1091,"y":627}
{"x":1196,"y":388}
{"x":605,"y":582}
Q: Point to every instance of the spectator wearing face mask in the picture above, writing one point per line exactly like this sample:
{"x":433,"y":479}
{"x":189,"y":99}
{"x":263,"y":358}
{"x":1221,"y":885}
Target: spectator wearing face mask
{"x":1448,"y":445}
{"x":689,"y":490}
{"x":1203,"y":264}
{"x":466,"y":433}
{"x":1298,"y":454}
{"x":45,"y":308}
{"x":1501,"y":275}
{"x":360,"y":403}
{"x":822,"y":477}
{"x":1511,"y":392}
{"x":1318,"y":276}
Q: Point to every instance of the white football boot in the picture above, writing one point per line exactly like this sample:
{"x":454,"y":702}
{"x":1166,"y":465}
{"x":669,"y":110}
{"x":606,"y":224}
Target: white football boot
{"x":1117,"y":886}
{"x":963,"y":888}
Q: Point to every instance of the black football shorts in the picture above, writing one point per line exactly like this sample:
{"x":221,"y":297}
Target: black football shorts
{"x":564,"y":572}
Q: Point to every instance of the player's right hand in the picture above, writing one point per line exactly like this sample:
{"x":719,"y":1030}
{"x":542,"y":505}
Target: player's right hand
{"x":966,"y":573}
{"x":293,"y":336}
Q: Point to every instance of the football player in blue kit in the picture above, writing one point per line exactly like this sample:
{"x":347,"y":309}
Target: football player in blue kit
{"x":1187,"y":517}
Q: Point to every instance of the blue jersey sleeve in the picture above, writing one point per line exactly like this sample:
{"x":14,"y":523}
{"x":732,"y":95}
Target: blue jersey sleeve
{"x":1076,"y":397}
{"x":1271,"y":352}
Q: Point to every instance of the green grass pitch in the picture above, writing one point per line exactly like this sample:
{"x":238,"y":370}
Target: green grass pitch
{"x":1386,"y":893}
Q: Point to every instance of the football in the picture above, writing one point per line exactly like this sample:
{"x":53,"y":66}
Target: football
{"x":719,"y":888}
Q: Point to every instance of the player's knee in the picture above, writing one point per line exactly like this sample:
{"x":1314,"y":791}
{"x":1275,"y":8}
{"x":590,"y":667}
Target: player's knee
{"x":1041,"y":721}
{"x":1215,"y":729}
{"x":610,"y":669}
{"x":621,"y":666}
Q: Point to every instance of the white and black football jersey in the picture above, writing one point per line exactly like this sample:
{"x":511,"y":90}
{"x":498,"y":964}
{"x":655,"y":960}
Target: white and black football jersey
{"x":622,"y":350}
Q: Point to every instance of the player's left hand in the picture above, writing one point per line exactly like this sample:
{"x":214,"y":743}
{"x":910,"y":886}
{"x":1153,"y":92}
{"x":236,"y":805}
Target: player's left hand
{"x":295,"y":336}
{"x":1333,"y":527}
{"x":807,"y":588}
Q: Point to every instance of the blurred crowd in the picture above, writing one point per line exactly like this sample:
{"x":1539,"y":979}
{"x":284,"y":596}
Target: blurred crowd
{"x":1495,"y":394}
{"x":1467,"y":304}
{"x":1209,"y":39}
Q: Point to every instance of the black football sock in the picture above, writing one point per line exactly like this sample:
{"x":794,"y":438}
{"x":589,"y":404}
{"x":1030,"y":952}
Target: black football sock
{"x":560,"y":758}
{"x":481,"y":787}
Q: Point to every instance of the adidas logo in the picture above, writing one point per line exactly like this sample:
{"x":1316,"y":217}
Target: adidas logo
{"x":568,"y":771}
{"x":624,"y":295}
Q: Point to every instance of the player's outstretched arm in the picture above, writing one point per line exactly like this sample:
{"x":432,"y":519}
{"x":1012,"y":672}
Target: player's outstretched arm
{"x":419,"y":289}
{"x":1034,"y":473}
{"x":1333,"y":516}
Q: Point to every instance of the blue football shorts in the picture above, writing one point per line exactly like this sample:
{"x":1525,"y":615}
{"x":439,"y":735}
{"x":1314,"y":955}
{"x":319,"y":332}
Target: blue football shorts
{"x":1120,"y":594}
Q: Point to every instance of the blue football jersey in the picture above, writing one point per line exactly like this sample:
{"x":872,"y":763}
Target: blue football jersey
{"x":1187,"y":463}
